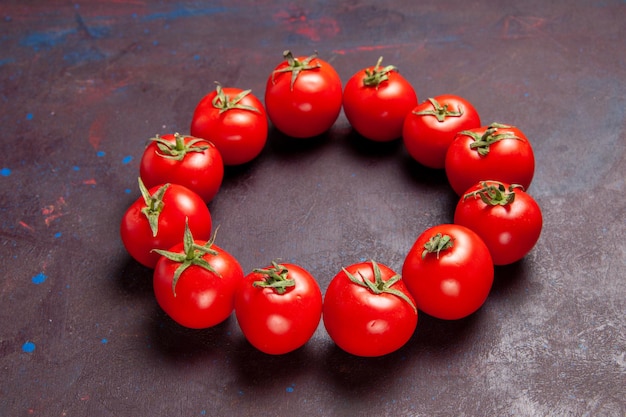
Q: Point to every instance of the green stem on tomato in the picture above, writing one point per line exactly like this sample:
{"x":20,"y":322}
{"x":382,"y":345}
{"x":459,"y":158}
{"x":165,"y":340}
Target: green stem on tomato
{"x":494,"y":193}
{"x":295,"y":66}
{"x":223,"y":103}
{"x":276,"y":278}
{"x":374,"y":77}
{"x":436,"y":244}
{"x":439,"y":111}
{"x":154,"y":205}
{"x":489,"y":137}
{"x":179,"y":148}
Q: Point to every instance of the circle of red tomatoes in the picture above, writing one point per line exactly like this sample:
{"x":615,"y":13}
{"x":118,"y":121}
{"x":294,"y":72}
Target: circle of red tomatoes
{"x":376,"y":101}
{"x":496,"y":152}
{"x":278,"y":307}
{"x":157,"y":220}
{"x":507,"y":219}
{"x":235,"y":121}
{"x":195,"y":281}
{"x":185,"y":160}
{"x":449,"y":271}
{"x":430,"y":128}
{"x":303,"y":96}
{"x":368,"y":311}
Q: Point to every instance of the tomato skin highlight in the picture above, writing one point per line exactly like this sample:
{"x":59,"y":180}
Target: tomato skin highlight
{"x":456,"y":282}
{"x":179,"y":203}
{"x":363,"y":323}
{"x":201,"y":172}
{"x":378,"y":112}
{"x":279,"y":323}
{"x":311,"y":107}
{"x":203,"y":298}
{"x":239,"y":134}
{"x":427,"y":139}
{"x":510,"y":231}
{"x":509,"y":160}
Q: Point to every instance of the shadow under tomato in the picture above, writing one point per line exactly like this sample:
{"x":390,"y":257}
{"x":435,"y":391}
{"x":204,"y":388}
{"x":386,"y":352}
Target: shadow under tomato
{"x":282,"y":145}
{"x":361,"y":146}
{"x":510,"y":280}
{"x":133,"y":278}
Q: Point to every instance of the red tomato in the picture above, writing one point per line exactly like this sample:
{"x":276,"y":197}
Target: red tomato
{"x":449,"y":271}
{"x":235,"y":121}
{"x":156,"y":220}
{"x":507,"y":219}
{"x":368,"y":311}
{"x":278,"y":308}
{"x":495,"y":152}
{"x":376,"y":101}
{"x":195,"y":282}
{"x":185,"y":160}
{"x":303,"y":96}
{"x":430,"y":128}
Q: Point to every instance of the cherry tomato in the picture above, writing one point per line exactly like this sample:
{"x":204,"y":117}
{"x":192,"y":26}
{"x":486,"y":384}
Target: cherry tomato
{"x":195,"y":282}
{"x":376,"y":101}
{"x":431,"y":127}
{"x":368,"y":311}
{"x":278,"y":308}
{"x":185,"y":160}
{"x":496,"y":152}
{"x":507,"y":219}
{"x":449,"y":271}
{"x":157,"y":219}
{"x":235,"y":121}
{"x":303,"y":96}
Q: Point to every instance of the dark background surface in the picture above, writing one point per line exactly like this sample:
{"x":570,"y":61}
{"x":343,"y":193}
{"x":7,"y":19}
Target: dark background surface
{"x":84,"y":84}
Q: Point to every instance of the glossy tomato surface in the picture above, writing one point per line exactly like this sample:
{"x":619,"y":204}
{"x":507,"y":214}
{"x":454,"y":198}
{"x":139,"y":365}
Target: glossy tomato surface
{"x":200,"y":298}
{"x":363,"y":322}
{"x":235,"y":121}
{"x":279,"y":321}
{"x":495,"y":152}
{"x":376,"y":101}
{"x":431,"y":126}
{"x":448,"y":281}
{"x":510,"y":227}
{"x":184,"y":160}
{"x":178,"y":204}
{"x":307,"y":105}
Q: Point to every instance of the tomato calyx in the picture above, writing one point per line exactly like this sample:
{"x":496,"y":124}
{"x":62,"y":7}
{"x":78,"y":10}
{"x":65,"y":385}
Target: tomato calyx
{"x":439,"y":111}
{"x":295,"y":66}
{"x":192,"y":255}
{"x":379,"y":286}
{"x":494,"y":193}
{"x":178,"y":149}
{"x":276,"y":277}
{"x":154,"y":205}
{"x":436,"y":244}
{"x":377,"y":75}
{"x":223,"y":103}
{"x":489,"y":137}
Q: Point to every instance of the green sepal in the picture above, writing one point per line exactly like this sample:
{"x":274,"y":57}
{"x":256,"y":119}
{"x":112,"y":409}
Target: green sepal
{"x":439,"y":111}
{"x":295,"y":67}
{"x":223,"y":103}
{"x":192,"y":255}
{"x":489,"y":137}
{"x":379,"y":286}
{"x":494,"y":193}
{"x":179,"y":148}
{"x":154,"y":205}
{"x":436,"y":244}
{"x":376,"y":76}
{"x":276,"y":278}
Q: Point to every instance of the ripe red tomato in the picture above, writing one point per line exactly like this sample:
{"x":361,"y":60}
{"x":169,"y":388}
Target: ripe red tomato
{"x":278,"y":307}
{"x":157,"y":219}
{"x":368,"y":311}
{"x":449,"y":271}
{"x":507,"y":219}
{"x":195,"y":282}
{"x":303,"y":96}
{"x":376,"y":101}
{"x":185,"y":160}
{"x":430,"y":128}
{"x":235,"y":121}
{"x":495,"y":152}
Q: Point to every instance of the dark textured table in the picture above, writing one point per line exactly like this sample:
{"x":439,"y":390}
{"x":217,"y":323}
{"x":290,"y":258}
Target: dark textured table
{"x":84,"y":84}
